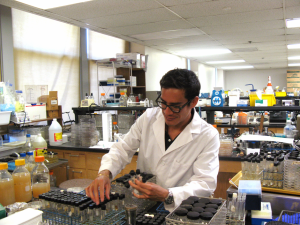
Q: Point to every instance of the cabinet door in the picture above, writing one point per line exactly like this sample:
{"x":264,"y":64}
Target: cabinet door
{"x":60,"y":153}
{"x":91,"y":174}
{"x":77,"y":173}
{"x":93,"y":160}
{"x":131,"y":166}
{"x":76,"y":159}
{"x":60,"y":173}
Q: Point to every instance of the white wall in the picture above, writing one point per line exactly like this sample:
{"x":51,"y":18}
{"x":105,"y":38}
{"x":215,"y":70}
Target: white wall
{"x":259,"y":78}
{"x":206,"y":76}
{"x":220,"y":78}
{"x":160,"y":63}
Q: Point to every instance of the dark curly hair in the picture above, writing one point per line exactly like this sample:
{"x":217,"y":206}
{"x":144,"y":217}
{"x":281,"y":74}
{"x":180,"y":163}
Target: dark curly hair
{"x":182,"y":79}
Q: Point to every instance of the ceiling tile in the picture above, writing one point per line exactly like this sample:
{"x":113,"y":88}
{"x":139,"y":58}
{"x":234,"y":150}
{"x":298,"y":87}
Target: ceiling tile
{"x":152,"y":27}
{"x":180,"y":2}
{"x":171,"y":41}
{"x":254,"y":26}
{"x":235,"y":18}
{"x":292,"y":12}
{"x":290,"y":37}
{"x":253,"y":40}
{"x":292,"y":3}
{"x":96,"y":8}
{"x":133,"y":18}
{"x":218,"y":7}
{"x":168,"y":34}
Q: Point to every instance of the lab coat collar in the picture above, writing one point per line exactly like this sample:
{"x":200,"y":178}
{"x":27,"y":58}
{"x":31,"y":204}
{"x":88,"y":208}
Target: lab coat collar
{"x":194,"y":127}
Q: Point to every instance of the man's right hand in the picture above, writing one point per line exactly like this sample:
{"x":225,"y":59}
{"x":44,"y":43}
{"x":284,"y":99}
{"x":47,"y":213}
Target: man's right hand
{"x":100,"y":184}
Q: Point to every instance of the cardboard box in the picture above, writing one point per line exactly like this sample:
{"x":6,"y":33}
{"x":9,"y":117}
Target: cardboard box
{"x":52,"y":102}
{"x":52,"y":114}
{"x":293,"y":74}
{"x":133,"y":81}
{"x":133,"y":56}
{"x":293,"y":80}
{"x":293,"y":85}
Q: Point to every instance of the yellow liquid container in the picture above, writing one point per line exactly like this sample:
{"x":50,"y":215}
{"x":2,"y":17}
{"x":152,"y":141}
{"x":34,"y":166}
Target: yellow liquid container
{"x":40,"y":188}
{"x":7,"y":190}
{"x":40,"y":177}
{"x":40,"y":146}
{"x":22,"y":182}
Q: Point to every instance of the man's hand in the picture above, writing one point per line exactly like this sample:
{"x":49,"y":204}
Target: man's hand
{"x":149,"y":191}
{"x":101,"y":183}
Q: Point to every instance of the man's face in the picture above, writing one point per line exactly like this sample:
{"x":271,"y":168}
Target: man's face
{"x":175,"y":97}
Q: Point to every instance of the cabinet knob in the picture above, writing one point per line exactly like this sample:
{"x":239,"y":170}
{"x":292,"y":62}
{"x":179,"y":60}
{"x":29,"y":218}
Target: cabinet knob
{"x":76,"y":171}
{"x":74,"y":155}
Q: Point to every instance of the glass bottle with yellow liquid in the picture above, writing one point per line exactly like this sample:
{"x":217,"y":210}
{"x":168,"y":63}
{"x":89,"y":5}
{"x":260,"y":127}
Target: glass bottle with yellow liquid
{"x":22,"y":182}
{"x":40,"y":177}
{"x":7,"y":190}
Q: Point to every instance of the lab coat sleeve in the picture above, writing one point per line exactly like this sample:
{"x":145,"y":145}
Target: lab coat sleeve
{"x":204,"y":181}
{"x":121,"y":153}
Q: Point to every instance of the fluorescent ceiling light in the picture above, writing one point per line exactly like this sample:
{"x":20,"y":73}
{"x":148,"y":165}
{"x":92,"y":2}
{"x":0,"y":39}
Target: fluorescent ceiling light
{"x":292,"y":23}
{"x":294,"y":57}
{"x":48,"y":4}
{"x":204,"y":52}
{"x":294,"y":64}
{"x":293,"y":46}
{"x":236,"y":67}
{"x":225,"y":62}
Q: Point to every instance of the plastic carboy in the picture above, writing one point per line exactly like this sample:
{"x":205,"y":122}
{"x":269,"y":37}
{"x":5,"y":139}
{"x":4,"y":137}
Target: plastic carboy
{"x":7,"y":190}
{"x":22,"y":182}
{"x":39,"y":146}
{"x":40,"y":177}
{"x":55,"y":133}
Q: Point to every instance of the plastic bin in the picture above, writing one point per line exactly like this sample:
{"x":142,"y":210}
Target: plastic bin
{"x":5,"y":117}
{"x":271,"y":99}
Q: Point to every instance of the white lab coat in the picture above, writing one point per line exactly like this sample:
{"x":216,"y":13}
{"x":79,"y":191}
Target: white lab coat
{"x":190,"y":165}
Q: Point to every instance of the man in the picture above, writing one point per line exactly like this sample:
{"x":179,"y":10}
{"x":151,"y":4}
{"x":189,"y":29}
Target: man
{"x":174,"y":143}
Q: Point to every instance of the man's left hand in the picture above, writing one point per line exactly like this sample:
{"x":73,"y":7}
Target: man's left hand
{"x":149,"y":191}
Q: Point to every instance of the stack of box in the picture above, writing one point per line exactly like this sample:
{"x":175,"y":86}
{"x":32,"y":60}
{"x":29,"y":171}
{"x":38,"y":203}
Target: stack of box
{"x":52,"y":105}
{"x":139,"y":59}
{"x":293,"y":80}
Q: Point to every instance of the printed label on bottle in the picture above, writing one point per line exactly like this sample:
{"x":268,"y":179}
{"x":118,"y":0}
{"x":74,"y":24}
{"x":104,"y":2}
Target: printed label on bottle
{"x":58,"y":137}
{"x":40,"y":151}
{"x":27,"y":188}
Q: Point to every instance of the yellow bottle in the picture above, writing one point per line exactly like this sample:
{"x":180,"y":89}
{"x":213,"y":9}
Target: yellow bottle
{"x":22,"y":182}
{"x":7,"y":190}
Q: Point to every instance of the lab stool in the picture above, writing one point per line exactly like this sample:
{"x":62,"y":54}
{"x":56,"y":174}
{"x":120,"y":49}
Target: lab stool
{"x":83,"y":183}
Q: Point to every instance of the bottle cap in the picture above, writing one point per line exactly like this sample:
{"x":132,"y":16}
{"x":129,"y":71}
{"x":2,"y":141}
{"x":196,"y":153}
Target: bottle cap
{"x":20,"y":162}
{"x":102,"y":94}
{"x":4,"y":166}
{"x":115,"y":123}
{"x":27,"y":135}
{"x":39,"y":159}
{"x":23,"y":154}
{"x":29,"y":153}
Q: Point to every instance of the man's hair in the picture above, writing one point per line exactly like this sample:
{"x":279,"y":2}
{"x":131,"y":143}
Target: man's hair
{"x":182,"y":79}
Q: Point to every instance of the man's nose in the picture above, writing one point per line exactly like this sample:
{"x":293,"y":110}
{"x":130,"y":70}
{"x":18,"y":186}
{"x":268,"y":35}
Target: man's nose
{"x":168,"y":111}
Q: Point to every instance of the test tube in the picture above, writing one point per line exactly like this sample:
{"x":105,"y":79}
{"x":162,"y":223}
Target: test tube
{"x":91,"y":212}
{"x":82,"y":213}
{"x":97,"y":212}
{"x":103,"y":211}
{"x":130,"y":213}
{"x":121,"y":201}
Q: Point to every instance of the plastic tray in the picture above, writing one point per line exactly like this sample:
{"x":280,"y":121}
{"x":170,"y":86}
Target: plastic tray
{"x":235,"y":182}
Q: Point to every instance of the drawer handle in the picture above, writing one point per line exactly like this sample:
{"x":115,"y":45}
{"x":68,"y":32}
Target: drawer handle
{"x":76,"y":171}
{"x":99,"y":157}
{"x":74,"y":155}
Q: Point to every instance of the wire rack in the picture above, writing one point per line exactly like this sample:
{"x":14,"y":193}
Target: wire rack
{"x":218,"y":219}
{"x":289,"y":217}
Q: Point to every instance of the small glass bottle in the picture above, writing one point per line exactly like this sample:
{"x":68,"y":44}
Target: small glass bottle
{"x":7,"y":190}
{"x":30,"y":161}
{"x":86,"y":96}
{"x":22,"y":182}
{"x":82,"y":214}
{"x":52,"y":179}
{"x":91,"y":212}
{"x":28,"y":145}
{"x":40,"y":177}
{"x":222,"y":135}
{"x":91,"y":96}
{"x":103,"y":211}
{"x":103,"y":100}
{"x":115,"y":130}
{"x":123,"y":100}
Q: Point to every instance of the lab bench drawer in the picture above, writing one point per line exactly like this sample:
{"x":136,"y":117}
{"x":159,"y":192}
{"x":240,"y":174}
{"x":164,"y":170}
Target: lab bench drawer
{"x":93,"y":160}
{"x":77,"y":173}
{"x":76,"y":159}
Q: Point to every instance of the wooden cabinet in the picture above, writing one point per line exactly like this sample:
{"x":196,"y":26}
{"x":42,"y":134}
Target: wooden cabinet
{"x":93,"y":160}
{"x":60,"y":173}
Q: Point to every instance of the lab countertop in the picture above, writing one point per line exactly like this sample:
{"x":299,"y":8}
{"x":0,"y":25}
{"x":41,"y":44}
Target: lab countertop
{"x":70,"y":146}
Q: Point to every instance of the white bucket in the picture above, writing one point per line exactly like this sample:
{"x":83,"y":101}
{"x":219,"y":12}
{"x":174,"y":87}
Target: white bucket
{"x":5,"y":117}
